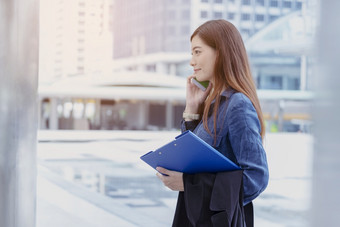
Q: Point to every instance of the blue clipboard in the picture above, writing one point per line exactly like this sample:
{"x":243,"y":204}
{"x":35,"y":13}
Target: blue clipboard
{"x":189,"y":154}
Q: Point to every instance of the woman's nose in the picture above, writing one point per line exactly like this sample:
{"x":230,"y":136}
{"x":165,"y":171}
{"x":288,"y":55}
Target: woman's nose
{"x":192,"y":63}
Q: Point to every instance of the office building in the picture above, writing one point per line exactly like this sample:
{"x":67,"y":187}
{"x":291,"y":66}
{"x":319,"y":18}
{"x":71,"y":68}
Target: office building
{"x":249,"y":16}
{"x":152,"y":26}
{"x":146,"y":40}
{"x":75,"y":37}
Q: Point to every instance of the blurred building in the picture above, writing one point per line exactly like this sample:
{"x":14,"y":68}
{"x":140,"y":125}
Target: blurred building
{"x":125,"y":101}
{"x":151,"y":40}
{"x":152,"y":26}
{"x":75,"y":38}
{"x":154,"y":36}
{"x":249,"y":16}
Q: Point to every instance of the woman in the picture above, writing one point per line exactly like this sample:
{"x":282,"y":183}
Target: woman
{"x":227,"y":116}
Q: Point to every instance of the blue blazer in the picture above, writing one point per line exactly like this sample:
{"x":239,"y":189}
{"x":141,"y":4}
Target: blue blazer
{"x":238,"y":138}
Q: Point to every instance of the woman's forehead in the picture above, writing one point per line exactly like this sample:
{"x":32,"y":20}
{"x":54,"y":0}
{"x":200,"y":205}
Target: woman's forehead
{"x":197,"y":41}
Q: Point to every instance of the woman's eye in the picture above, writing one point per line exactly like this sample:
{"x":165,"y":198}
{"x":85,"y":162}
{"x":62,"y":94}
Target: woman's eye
{"x":196,"y":52}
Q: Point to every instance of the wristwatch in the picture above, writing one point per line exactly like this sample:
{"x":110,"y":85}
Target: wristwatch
{"x":190,"y":116}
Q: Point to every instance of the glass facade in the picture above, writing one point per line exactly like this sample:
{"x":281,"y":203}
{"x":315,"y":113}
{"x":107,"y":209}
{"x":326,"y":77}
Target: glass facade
{"x":150,"y":26}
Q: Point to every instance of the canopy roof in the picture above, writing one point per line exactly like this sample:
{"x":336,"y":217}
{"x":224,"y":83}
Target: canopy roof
{"x":293,"y":33}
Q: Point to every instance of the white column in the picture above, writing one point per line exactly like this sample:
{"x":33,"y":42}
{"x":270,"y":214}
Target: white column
{"x":144,"y":114}
{"x":169,"y":115}
{"x":303,"y":73}
{"x":97,"y":113}
{"x":53,"y":117}
{"x":172,"y":69}
{"x":161,"y":67}
{"x":326,"y":170}
{"x":19,"y":29}
{"x":280,"y":114}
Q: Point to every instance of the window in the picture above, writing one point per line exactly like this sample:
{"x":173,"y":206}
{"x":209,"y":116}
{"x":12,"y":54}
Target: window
{"x":259,"y":17}
{"x":246,"y":2}
{"x":80,"y":69}
{"x":272,"y":18}
{"x":204,"y":14}
{"x":151,"y":68}
{"x":157,"y":114}
{"x":287,"y":4}
{"x":245,"y":32}
{"x":218,"y":1}
{"x":171,"y":15}
{"x":185,"y":30}
{"x":298,"y":5}
{"x":204,"y":0}
{"x":171,"y":30}
{"x":218,"y":15}
{"x":274,"y":3}
{"x":186,"y":14}
{"x":231,"y":16}
{"x":260,"y":2}
{"x":245,"y":16}
{"x":276,"y":82}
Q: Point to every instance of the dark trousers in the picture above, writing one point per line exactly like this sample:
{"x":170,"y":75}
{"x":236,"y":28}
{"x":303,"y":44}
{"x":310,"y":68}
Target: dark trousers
{"x":249,"y":214}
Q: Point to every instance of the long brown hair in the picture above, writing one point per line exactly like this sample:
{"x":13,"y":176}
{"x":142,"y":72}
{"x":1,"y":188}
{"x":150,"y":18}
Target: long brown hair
{"x":231,"y":69}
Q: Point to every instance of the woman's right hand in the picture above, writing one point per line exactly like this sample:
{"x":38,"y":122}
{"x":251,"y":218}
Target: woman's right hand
{"x":195,"y":97}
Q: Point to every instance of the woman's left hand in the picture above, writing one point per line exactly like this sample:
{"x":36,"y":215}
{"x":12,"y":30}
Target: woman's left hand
{"x":172,"y":179}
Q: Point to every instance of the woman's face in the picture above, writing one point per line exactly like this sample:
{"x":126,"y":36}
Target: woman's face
{"x":203,"y":59}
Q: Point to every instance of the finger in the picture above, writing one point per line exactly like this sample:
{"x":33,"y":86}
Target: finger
{"x":190,"y":77}
{"x":189,"y":80}
{"x":163,"y":170}
{"x":160,"y":176}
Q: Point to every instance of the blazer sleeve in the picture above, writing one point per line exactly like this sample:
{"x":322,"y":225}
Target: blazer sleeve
{"x":244,"y":135}
{"x":188,"y":125}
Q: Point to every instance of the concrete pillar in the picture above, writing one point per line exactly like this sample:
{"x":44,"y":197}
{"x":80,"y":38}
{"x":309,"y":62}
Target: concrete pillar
{"x":303,"y":73}
{"x":19,"y":29}
{"x":143,"y":114}
{"x":281,"y":110}
{"x":53,"y":114}
{"x":172,"y":70}
{"x":326,"y":169}
{"x":97,"y":114}
{"x":161,"y":68}
{"x":169,"y":116}
{"x":41,"y":124}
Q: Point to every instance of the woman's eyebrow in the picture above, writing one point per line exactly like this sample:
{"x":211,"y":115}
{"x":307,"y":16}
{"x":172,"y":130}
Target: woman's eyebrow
{"x":196,"y":47}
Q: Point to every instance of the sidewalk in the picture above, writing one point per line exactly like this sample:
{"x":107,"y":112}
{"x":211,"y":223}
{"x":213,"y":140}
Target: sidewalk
{"x":92,"y":179}
{"x":56,"y":207}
